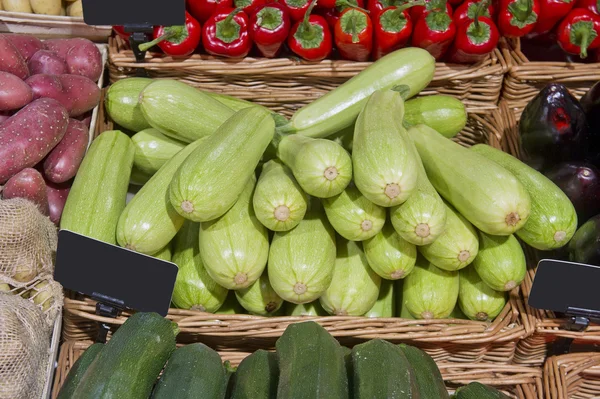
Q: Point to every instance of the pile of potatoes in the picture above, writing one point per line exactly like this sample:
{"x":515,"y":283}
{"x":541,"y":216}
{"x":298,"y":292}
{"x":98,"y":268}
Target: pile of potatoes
{"x":72,"y":8}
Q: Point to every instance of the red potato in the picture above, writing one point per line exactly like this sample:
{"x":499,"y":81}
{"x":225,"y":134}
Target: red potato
{"x":57,"y":197}
{"x":28,"y":184}
{"x":4,"y":115}
{"x":14,"y":93}
{"x":11,"y":60}
{"x":30,"y":134}
{"x":77,"y":94}
{"x":47,"y":62}
{"x":81,"y":55}
{"x":86,"y":118}
{"x":26,"y":44}
{"x":63,"y":161}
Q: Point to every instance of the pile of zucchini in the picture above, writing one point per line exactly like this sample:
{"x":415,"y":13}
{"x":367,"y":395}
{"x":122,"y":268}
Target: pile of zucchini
{"x":359,"y":197}
{"x":308,"y":363}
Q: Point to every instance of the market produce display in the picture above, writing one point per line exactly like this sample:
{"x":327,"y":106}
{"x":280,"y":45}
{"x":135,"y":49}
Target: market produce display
{"x":47,"y":91}
{"x":71,"y":8}
{"x":308,"y":362}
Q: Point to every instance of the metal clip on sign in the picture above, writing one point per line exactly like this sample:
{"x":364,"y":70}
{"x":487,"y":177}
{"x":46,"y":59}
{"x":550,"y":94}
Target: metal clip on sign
{"x":117,"y":278}
{"x":569,"y":288}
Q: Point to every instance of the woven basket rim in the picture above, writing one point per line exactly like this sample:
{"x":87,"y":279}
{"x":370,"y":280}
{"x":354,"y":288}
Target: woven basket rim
{"x":569,"y":371}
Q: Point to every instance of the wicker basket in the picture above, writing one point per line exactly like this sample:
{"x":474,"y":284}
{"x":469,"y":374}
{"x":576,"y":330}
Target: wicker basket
{"x":574,"y":376}
{"x":51,"y":26}
{"x":285,"y":84}
{"x":517,"y":382}
{"x":525,"y":79}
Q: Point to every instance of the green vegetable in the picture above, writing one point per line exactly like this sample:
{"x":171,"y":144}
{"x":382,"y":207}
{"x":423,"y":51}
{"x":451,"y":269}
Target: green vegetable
{"x":429,"y":292}
{"x":383,"y":162}
{"x":382,"y":371}
{"x":401,"y":310}
{"x":149,"y":222}
{"x":129,"y":364}
{"x":353,"y":216}
{"x":489,"y":196}
{"x":476,"y":299}
{"x":231,"y":305}
{"x":99,"y":191}
{"x":355,"y":286}
{"x":501,"y":262}
{"x":259,"y":298}
{"x":553,"y":220}
{"x":427,"y":374}
{"x":138,"y":178}
{"x":212,"y":178}
{"x":389,"y":255}
{"x":457,"y":246}
{"x":235,"y":247}
{"x":385,"y":305}
{"x":322,"y":167}
{"x":152,"y":150}
{"x":194,"y":288}
{"x":410,"y":67}
{"x":476,"y":390}
{"x":311,"y":364}
{"x":305,"y":309}
{"x":344,"y":137}
{"x":256,"y":377}
{"x":301,"y":261}
{"x":193,"y":371}
{"x":121,"y":103}
{"x":444,"y":114}
{"x":181,"y":111}
{"x":457,"y":313}
{"x":279,"y":202}
{"x":234,"y":103}
{"x":165,"y":253}
{"x":78,"y":370}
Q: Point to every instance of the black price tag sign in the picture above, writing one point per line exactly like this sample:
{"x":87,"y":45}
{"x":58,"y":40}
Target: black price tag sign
{"x":114,"y":275}
{"x":134,"y":12}
{"x":567,"y":287}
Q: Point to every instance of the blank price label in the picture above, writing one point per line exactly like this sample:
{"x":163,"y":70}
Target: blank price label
{"x":134,"y":12}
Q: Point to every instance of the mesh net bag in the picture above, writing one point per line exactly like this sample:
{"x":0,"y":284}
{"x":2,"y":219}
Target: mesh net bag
{"x":27,"y":242}
{"x":24,"y":348}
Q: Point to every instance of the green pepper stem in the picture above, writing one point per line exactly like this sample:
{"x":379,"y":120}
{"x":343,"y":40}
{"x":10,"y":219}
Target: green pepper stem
{"x":231,"y":15}
{"x":585,"y":42}
{"x":520,"y":13}
{"x":481,"y":7}
{"x":406,"y":6}
{"x":162,"y":38}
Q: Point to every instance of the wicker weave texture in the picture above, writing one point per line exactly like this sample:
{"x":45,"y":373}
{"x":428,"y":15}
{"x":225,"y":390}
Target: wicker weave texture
{"x":573,"y":376}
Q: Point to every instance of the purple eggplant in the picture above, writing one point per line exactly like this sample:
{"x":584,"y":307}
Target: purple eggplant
{"x":581,"y":183}
{"x":584,"y":247}
{"x":590,"y":103}
{"x":554,"y":129}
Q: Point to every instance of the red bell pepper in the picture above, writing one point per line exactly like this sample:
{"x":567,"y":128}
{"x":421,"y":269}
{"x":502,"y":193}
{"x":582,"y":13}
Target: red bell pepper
{"x":333,"y":14}
{"x":203,"y":9}
{"x":296,"y":8}
{"x":353,"y":34}
{"x":455,"y":3}
{"x":249,"y":6}
{"x":552,"y":11}
{"x":311,"y":37}
{"x":434,"y":33}
{"x":430,"y":5}
{"x":179,"y":41}
{"x":466,"y":11}
{"x":226,"y":33}
{"x":579,"y":32}
{"x":375,"y":7}
{"x":474,"y":39}
{"x":392,"y":27}
{"x":517,"y":18}
{"x":326,"y":4}
{"x":269,"y":28}
{"x":592,"y":5}
{"x":120,"y":30}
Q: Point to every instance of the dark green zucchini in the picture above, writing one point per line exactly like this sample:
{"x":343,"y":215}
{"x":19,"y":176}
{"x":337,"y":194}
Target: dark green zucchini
{"x":476,"y":390}
{"x":78,"y":370}
{"x":429,"y":379}
{"x":256,"y":377}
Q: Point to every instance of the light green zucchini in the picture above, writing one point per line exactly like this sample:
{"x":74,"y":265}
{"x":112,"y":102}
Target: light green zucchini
{"x":353,"y":216}
{"x":259,"y":298}
{"x":501,"y":262}
{"x":389,"y":255}
{"x":181,"y":111}
{"x":476,"y":299}
{"x":385,"y":167}
{"x":138,"y":178}
{"x":444,"y":114}
{"x":153,"y":149}
{"x":322,"y":167}
{"x":305,"y":309}
{"x":231,"y":305}
{"x":301,"y":261}
{"x":412,"y":67}
{"x":489,"y":196}
{"x":354,"y":288}
{"x":235,"y":247}
{"x":553,"y":219}
{"x":386,"y":303}
{"x":149,"y":222}
{"x":99,"y":191}
{"x":429,"y":292}
{"x":194,"y":288}
{"x":345,"y":138}
{"x":457,"y":247}
{"x":234,"y":103}
{"x":122,"y":103}
{"x":165,"y":254}
{"x":279,"y":202}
